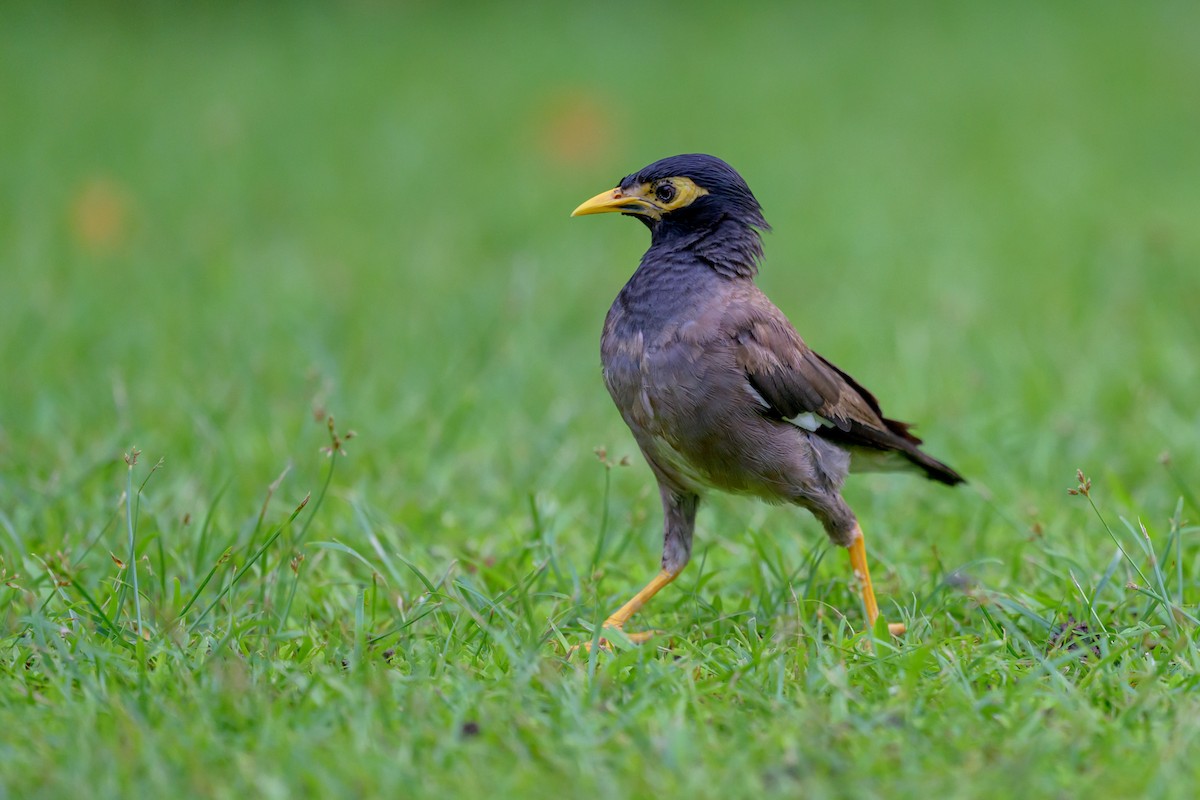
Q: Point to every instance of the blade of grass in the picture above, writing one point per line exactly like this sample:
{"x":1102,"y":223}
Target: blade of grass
{"x":258,"y":554}
{"x":131,"y":566}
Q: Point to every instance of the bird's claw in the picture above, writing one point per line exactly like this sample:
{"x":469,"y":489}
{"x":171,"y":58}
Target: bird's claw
{"x":640,"y":637}
{"x":586,"y":647}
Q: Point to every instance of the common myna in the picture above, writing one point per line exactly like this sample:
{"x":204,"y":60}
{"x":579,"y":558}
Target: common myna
{"x":717,"y":387}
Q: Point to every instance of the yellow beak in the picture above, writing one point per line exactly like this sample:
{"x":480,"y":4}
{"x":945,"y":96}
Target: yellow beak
{"x":616,"y":200}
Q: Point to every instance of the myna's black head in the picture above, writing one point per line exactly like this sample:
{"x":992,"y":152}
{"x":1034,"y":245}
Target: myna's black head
{"x":693,"y":200}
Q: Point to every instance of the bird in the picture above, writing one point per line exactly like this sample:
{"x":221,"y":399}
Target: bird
{"x":718,"y":389}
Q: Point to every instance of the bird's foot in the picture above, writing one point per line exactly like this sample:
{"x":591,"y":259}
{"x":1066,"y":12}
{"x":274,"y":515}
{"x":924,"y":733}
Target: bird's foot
{"x":894,"y":629}
{"x":640,"y":637}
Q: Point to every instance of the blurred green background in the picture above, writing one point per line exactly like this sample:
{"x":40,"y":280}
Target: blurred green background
{"x":219,"y":222}
{"x":211,"y":217}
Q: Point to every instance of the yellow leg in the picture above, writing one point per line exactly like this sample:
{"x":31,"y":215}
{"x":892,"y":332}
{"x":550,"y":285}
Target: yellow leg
{"x":858,"y":562}
{"x":619,"y":617}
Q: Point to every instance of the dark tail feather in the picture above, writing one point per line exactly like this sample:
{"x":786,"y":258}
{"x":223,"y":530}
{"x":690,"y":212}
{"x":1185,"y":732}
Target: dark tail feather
{"x":934,"y":469}
{"x":895,"y":438}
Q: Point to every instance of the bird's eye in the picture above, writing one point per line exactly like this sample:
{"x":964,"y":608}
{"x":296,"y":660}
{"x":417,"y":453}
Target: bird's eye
{"x":665,"y":192}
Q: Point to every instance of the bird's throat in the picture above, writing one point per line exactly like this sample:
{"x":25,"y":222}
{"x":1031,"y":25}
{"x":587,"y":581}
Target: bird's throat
{"x":729,"y":247}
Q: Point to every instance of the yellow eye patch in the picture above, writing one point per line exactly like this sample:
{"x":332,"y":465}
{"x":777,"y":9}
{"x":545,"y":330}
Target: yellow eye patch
{"x":666,"y":195}
{"x":674,"y":193}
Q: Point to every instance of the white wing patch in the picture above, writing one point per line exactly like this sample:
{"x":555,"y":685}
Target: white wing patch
{"x":810,"y":421}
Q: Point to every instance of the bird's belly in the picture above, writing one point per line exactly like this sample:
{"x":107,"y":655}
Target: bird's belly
{"x":724,"y":446}
{"x":733,"y":448}
{"x":682,"y":468}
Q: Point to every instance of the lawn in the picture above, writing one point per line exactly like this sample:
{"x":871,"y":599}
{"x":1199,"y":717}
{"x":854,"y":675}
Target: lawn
{"x":308,"y":478}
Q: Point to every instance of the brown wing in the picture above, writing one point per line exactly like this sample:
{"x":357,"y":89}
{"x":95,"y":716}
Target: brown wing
{"x":793,"y":380}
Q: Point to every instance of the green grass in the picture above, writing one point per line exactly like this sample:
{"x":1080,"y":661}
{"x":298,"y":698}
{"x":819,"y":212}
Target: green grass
{"x":218,"y":228}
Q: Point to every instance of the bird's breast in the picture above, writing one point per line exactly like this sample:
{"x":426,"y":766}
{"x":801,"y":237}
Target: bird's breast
{"x":623,"y":357}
